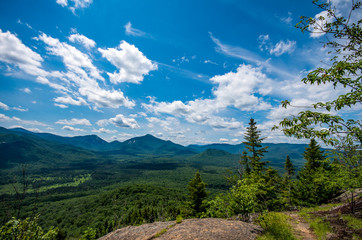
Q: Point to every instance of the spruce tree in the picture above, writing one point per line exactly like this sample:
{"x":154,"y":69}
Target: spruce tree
{"x":253,"y":145}
{"x":197,"y":194}
{"x":314,"y":156}
{"x":289,"y":168}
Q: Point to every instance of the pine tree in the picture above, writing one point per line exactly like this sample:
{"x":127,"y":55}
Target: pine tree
{"x":254,"y":147}
{"x":197,"y":194}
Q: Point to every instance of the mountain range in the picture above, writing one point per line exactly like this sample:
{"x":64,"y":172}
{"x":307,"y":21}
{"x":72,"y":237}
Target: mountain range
{"x":18,"y":144}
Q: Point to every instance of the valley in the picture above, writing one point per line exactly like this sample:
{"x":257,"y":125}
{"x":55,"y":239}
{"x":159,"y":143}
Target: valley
{"x":140,"y":180}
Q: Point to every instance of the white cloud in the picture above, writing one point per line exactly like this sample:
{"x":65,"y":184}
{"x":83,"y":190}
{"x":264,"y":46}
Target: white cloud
{"x":211,"y":62}
{"x":317,"y":29}
{"x":63,"y":3}
{"x":74,"y":121}
{"x":241,"y":89}
{"x":73,"y":59}
{"x":81,"y":78}
{"x":246,"y":55}
{"x":14,"y":52}
{"x":283,"y":47}
{"x":133,"y":31}
{"x":70,"y":101}
{"x":76,"y":4}
{"x":72,"y":129}
{"x":131,"y":63}
{"x":103,"y":130}
{"x":60,"y":105}
{"x":86,"y":42}
{"x":279,"y":48}
{"x":119,"y":121}
{"x":4,"y":106}
{"x":4,"y":118}
{"x":124,"y":122}
{"x":287,"y":20}
{"x":20,"y":109}
{"x":26,"y":90}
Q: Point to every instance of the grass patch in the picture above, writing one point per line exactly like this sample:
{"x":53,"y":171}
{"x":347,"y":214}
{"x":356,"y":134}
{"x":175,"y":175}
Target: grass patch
{"x":276,"y":226}
{"x":352,"y":221}
{"x":320,"y":227}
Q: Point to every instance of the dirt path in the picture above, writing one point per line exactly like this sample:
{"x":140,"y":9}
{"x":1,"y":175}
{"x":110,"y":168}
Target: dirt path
{"x":301,"y":228}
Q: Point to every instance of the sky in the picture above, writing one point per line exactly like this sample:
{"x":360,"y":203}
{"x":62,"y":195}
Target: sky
{"x":193,"y":72}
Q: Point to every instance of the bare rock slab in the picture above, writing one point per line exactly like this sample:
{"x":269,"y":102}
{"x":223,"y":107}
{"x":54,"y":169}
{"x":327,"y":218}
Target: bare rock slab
{"x":189,"y":229}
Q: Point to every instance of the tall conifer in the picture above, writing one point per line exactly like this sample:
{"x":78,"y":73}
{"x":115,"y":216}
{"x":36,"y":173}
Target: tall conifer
{"x":253,"y":145}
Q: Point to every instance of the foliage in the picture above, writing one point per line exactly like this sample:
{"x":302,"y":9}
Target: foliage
{"x":27,"y":229}
{"x":320,"y":227}
{"x":344,"y":71}
{"x":243,"y":198}
{"x":276,"y":226}
{"x":89,"y":234}
{"x":197,"y":194}
{"x":317,"y":180}
{"x":253,"y":145}
{"x":352,"y":221}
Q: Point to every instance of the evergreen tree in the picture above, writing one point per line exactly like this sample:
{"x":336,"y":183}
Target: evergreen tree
{"x":197,"y":194}
{"x":316,"y":180}
{"x":289,"y":168}
{"x":253,"y":145}
{"x":314,"y":156}
{"x":244,"y":168}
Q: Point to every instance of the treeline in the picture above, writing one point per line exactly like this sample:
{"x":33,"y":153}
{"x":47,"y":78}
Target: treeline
{"x":258,"y":188}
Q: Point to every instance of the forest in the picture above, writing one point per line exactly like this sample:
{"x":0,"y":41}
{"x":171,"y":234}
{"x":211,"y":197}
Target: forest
{"x":54,"y":187}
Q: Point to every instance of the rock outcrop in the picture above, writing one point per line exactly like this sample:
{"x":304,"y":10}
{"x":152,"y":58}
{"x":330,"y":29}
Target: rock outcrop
{"x":189,"y":229}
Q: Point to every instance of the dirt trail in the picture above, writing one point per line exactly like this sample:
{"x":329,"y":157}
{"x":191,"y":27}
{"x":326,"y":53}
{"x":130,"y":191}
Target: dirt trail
{"x":300,"y":227}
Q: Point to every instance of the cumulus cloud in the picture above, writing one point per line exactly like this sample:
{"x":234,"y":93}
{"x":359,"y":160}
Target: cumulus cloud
{"x":241,"y":89}
{"x":119,"y":121}
{"x":86,"y":42}
{"x":73,"y":59}
{"x":72,"y":129}
{"x":74,"y":121}
{"x":129,"y":30}
{"x":131,"y":63}
{"x":265,"y":44}
{"x":317,"y":30}
{"x":81,"y":79}
{"x":14,"y":52}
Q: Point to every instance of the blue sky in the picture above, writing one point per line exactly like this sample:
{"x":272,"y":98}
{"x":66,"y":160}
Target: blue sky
{"x":186,"y":71}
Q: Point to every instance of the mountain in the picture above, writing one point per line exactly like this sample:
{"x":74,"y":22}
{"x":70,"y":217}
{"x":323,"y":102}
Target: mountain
{"x":149,"y":144}
{"x":276,"y":154}
{"x":90,"y":142}
{"x":215,"y":157}
{"x":23,"y":148}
